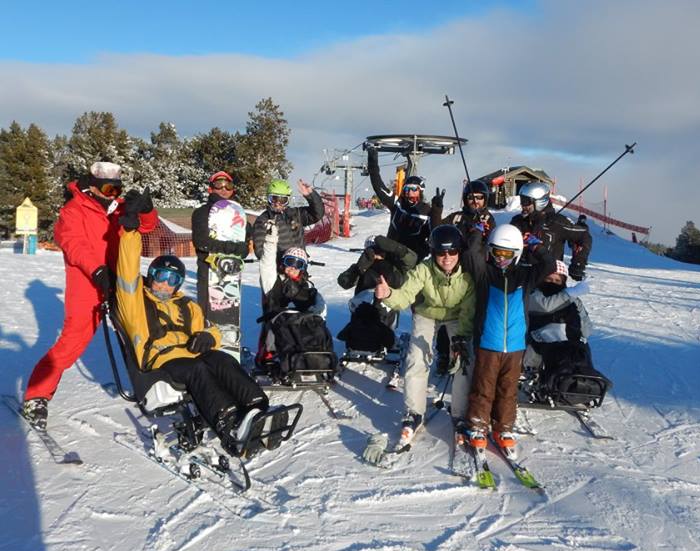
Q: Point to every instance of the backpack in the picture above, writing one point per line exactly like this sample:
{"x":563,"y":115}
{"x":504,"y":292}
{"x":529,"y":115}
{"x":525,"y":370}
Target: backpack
{"x":303,"y":343}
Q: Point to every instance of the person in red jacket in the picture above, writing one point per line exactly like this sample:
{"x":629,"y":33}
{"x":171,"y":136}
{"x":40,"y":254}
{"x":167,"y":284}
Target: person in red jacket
{"x":87,"y":231}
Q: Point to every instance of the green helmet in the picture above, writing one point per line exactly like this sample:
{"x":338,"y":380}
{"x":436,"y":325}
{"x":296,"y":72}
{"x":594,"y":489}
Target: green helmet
{"x":279,"y":187}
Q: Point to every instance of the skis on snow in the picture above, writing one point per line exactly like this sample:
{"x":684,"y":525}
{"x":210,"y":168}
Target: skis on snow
{"x":58,"y":454}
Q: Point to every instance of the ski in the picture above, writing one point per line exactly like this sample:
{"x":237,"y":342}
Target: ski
{"x":594,"y":429}
{"x":58,"y":454}
{"x":461,"y":462}
{"x":524,"y":476}
{"x":522,"y":423}
{"x":335,"y":413}
{"x":393,"y":380}
{"x":484,"y":476}
{"x":215,"y":484}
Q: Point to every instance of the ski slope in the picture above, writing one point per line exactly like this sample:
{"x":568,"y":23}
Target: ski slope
{"x":641,"y":491}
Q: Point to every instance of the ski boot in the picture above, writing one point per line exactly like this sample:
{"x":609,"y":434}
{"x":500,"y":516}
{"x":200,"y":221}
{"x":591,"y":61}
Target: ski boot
{"x":477,"y":438}
{"x":506,"y":441}
{"x":409,"y":426}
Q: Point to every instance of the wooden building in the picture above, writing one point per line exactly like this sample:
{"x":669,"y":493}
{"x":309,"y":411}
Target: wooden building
{"x":507,"y":182}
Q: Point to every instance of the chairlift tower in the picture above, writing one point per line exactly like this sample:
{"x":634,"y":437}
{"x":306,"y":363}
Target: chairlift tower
{"x":348,"y":168}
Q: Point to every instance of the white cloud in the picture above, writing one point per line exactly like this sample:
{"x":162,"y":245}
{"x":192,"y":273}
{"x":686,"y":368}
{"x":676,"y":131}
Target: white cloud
{"x":578,"y":78}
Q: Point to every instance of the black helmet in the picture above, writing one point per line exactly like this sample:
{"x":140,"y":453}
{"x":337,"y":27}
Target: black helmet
{"x":476,"y":186}
{"x":444,"y":238}
{"x":166,"y":267}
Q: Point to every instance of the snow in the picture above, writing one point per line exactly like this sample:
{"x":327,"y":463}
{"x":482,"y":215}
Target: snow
{"x":640,"y":491}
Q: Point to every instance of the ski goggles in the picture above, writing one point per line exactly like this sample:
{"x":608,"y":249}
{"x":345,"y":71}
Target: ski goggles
{"x":279,"y":199}
{"x":163,"y":275}
{"x":475,"y":197}
{"x":221,"y":184}
{"x":504,"y":254}
{"x":110,"y":189}
{"x":411,"y":187}
{"x":447,"y":252}
{"x":294,"y":262}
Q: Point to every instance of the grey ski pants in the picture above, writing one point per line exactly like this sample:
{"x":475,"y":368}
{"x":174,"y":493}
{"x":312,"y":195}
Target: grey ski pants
{"x":418,"y":362}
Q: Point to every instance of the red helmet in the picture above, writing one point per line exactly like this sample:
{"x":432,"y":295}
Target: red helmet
{"x":220,"y":175}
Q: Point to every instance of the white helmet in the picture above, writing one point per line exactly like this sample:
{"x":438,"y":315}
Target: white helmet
{"x":369,"y":242}
{"x":505,"y":245}
{"x":537,"y":192}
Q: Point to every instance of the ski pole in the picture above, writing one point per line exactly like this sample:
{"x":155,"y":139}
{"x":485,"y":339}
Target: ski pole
{"x":448,"y":103}
{"x":628,"y":149}
{"x":439,"y":404}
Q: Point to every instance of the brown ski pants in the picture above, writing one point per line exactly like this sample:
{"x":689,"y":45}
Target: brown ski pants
{"x":494,"y":390}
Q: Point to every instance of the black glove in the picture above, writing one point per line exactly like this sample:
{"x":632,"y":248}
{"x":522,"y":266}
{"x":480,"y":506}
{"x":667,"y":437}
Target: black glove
{"x":460,"y":348}
{"x":101,"y":279}
{"x":130,"y":221}
{"x":201,"y":342}
{"x":438,"y":200}
{"x":349,"y":277}
{"x":366,"y":260}
{"x":577,"y":271}
{"x":135,"y":202}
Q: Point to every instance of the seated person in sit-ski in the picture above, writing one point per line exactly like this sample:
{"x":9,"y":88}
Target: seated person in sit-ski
{"x":169,"y":332}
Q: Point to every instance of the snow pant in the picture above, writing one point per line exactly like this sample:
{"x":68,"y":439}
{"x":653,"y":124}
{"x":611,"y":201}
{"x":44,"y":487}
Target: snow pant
{"x":82,"y":317}
{"x":216,"y":381}
{"x":418,"y":362}
{"x":494,"y":390}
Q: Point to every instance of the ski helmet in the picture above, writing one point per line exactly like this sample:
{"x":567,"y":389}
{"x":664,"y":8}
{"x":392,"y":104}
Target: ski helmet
{"x":536,"y":193}
{"x":476,"y":186}
{"x":221,"y":175}
{"x":295,"y":257}
{"x":561,"y":269}
{"x":166,"y":268}
{"x":279,"y":187}
{"x":445,"y":237}
{"x":369,"y":242}
{"x":505,"y":245}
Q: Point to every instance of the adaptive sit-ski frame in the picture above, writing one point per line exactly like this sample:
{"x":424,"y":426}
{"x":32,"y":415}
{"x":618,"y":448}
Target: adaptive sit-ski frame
{"x":157,"y":395}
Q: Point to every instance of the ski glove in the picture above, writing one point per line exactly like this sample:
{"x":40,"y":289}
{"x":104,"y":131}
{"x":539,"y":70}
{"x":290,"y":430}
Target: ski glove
{"x":201,"y":342}
{"x":439,"y":199}
{"x":130,"y":221}
{"x":577,"y":271}
{"x":479,"y":227}
{"x":580,"y":289}
{"x":366,"y":260}
{"x":138,"y":202}
{"x":375,"y":449}
{"x":101,"y":279}
{"x":462,"y":352}
{"x":531,"y":241}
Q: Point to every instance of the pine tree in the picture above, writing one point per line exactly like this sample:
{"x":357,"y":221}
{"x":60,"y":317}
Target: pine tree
{"x":261,"y":152}
{"x":25,"y":171}
{"x":688,"y":244}
{"x":97,"y":137}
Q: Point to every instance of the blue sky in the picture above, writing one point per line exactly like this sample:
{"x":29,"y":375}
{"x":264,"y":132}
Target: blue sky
{"x":78,"y":31}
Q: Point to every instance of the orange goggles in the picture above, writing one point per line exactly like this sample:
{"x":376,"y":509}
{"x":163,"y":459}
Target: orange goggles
{"x":111,"y":190}
{"x":505,"y":254}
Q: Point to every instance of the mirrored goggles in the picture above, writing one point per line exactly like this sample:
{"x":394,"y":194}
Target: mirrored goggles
{"x":448,"y":252}
{"x":278,"y":199}
{"x":526,"y":201}
{"x":110,"y":189}
{"x":411,"y":187}
{"x":221,"y":184}
{"x":294,"y":262}
{"x":506,"y":254}
{"x":162,"y":275}
{"x":475,"y":197}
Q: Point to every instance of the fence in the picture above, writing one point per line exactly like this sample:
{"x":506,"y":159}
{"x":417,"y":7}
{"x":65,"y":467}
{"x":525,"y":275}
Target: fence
{"x":602,"y":218}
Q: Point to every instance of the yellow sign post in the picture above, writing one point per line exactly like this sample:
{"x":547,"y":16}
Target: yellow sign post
{"x":27,"y":224}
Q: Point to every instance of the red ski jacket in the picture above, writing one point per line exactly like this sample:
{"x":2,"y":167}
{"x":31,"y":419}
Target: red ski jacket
{"x":89,"y":238}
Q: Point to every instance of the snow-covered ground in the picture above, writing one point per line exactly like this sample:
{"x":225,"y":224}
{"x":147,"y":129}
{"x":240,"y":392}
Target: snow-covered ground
{"x":640,"y":491}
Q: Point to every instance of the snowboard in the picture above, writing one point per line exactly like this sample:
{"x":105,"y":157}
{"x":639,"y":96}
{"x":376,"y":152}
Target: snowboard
{"x":227,"y":222}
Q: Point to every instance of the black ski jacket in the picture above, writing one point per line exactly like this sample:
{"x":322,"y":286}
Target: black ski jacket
{"x":290,"y":224}
{"x":466,"y":219}
{"x":364,"y":274}
{"x":410,"y":224}
{"x":555,"y":230}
